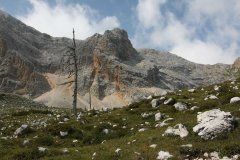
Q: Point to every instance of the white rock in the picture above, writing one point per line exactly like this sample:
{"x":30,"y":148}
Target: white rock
{"x":177,"y":130}
{"x":106,"y":131}
{"x":193,"y":108}
{"x":75,"y":141}
{"x":149,"y":97}
{"x":106,"y":109}
{"x":65,"y":119}
{"x":213,"y":122}
{"x":180,"y":106}
{"x":164,"y":123}
{"x":214,"y":155}
{"x":42,"y":149}
{"x":79,"y":116}
{"x":145,"y":115}
{"x":235,"y":157}
{"x":187,"y":145}
{"x":63,"y":134}
{"x":162,"y":155}
{"x":169,"y":101}
{"x":4,"y":138}
{"x":20,"y":130}
{"x":235,"y":87}
{"x":25,"y":142}
{"x":226,"y":158}
{"x":235,"y":99}
{"x":94,"y":155}
{"x":142,"y":129}
{"x":153,"y":146}
{"x":191,"y":90}
{"x":212,"y":97}
{"x":117,"y":151}
{"x":216,"y":88}
{"x":156,"y":102}
{"x":205,"y":154}
{"x":158,"y":116}
{"x":65,"y":150}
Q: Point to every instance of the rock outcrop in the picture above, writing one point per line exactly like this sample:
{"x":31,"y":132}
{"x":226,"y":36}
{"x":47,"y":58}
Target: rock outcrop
{"x":212,"y":123}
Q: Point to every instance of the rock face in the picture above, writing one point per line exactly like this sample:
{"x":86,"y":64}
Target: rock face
{"x":111,"y":69}
{"x":212,"y":123}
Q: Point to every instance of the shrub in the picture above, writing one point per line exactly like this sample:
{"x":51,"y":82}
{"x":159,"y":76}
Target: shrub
{"x":28,"y":154}
{"x":45,"y":140}
{"x":231,"y":150}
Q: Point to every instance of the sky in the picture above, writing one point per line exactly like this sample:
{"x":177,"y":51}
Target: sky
{"x":202,"y":31}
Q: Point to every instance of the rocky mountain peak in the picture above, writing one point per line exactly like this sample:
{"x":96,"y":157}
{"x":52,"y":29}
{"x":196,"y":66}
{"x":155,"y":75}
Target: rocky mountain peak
{"x":116,"y":43}
{"x":236,"y":63}
{"x":116,"y":32}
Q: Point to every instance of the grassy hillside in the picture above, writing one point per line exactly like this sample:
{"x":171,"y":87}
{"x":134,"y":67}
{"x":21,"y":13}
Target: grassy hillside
{"x":102,"y":132}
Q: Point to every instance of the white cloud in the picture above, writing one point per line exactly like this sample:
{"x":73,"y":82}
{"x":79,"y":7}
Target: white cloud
{"x":208,"y":31}
{"x":59,"y":20}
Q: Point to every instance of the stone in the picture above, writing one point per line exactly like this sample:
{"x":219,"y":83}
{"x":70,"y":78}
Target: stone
{"x":194,"y":107}
{"x":169,"y":101}
{"x":205,"y":155}
{"x":187,"y":145}
{"x":65,"y":150}
{"x":156,"y":102}
{"x":216,"y":88}
{"x":153,"y":146}
{"x":25,"y":142}
{"x":117,"y":151}
{"x":105,"y":131}
{"x":21,"y":129}
{"x":180,"y":106}
{"x":163,"y":155}
{"x":63,"y":134}
{"x":149,"y":97}
{"x":75,"y":141}
{"x":214,"y":155}
{"x":191,"y":90}
{"x":212,"y":123}
{"x":42,"y":149}
{"x":212,"y":97}
{"x":158,"y":116}
{"x":177,"y":130}
{"x":234,"y":99}
{"x":145,"y":115}
{"x":142,"y":129}
{"x":164,"y":123}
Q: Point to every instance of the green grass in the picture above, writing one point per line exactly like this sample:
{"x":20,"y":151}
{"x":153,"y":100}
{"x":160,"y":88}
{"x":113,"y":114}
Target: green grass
{"x":122,"y":124}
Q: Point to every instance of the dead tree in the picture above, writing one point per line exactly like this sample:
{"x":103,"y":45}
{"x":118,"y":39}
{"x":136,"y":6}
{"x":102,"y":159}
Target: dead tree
{"x":69,"y":63}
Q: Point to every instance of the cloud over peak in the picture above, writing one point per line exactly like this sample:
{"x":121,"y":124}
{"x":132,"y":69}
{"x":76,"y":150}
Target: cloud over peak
{"x":58,"y":20}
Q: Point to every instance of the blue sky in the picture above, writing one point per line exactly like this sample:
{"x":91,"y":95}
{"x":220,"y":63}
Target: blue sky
{"x":203,"y":31}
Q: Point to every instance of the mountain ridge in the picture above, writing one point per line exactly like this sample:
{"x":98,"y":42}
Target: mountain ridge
{"x":111,"y":68}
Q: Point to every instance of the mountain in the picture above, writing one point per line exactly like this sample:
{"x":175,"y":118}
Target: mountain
{"x":114,"y":72}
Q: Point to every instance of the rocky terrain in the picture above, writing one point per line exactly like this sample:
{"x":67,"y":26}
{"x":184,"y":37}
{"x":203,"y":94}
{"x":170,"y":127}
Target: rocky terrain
{"x":111,"y":69}
{"x":198,"y":123}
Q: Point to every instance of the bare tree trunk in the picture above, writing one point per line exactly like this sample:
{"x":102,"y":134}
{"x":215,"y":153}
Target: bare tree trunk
{"x":74,"y":109}
{"x":90,"y":99}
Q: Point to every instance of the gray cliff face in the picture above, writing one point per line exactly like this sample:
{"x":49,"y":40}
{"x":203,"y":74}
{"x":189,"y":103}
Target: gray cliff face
{"x":108,"y":64}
